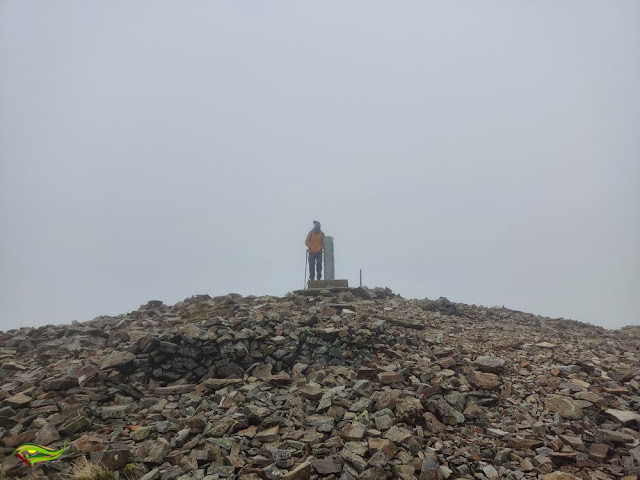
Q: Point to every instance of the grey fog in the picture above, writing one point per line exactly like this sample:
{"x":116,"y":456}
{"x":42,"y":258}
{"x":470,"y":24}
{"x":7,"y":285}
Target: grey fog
{"x":485,"y":151}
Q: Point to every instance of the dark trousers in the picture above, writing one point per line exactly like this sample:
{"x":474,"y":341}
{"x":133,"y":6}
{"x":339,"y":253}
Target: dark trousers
{"x":315,"y":264}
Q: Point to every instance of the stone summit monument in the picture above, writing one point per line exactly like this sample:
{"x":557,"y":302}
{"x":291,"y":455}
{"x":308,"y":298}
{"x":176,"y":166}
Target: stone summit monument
{"x":329,"y":269}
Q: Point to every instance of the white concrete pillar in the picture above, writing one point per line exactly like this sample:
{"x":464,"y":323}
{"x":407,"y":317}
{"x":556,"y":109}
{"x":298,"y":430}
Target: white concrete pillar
{"x":327,"y":249}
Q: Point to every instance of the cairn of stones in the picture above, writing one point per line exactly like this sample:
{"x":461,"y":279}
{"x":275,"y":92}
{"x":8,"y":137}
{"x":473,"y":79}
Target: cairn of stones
{"x":325,"y":384}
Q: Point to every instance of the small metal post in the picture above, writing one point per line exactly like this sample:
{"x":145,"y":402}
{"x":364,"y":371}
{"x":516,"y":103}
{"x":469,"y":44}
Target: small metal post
{"x":360,"y":277}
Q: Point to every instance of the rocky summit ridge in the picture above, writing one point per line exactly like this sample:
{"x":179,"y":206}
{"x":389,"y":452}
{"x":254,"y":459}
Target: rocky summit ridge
{"x":324,"y":384}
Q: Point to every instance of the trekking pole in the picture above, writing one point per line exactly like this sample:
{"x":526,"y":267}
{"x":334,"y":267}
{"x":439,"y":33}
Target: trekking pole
{"x":306,"y":260}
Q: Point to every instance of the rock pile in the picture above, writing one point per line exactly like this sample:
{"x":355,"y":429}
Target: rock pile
{"x":329,"y":385}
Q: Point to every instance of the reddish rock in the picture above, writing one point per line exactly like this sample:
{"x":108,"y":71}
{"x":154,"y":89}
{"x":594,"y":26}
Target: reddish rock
{"x":560,"y":476}
{"x":352,"y":431}
{"x":24,"y":437}
{"x":623,"y":417}
{"x":367,"y":373}
{"x":301,"y":472}
{"x":279,"y":379}
{"x":326,"y":467}
{"x":250,"y":431}
{"x":598,"y":451}
{"x":487,"y":381}
{"x":117,"y":359}
{"x":397,"y":434}
{"x":311,"y":392}
{"x":113,"y":457}
{"x":268,"y":435}
{"x":566,"y":407}
{"x":390,"y":377}
{"x":383,"y":444}
{"x":386,"y":399}
{"x":409,"y":410}
{"x":17,"y":400}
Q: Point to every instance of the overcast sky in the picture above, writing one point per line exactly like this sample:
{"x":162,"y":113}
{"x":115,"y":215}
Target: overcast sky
{"x":486,"y":151}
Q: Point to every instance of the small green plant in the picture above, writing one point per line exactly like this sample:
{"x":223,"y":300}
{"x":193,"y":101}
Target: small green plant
{"x":364,"y":414}
{"x":133,"y":471}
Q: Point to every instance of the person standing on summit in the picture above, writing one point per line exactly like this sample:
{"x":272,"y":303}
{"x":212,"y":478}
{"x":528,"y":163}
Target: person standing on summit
{"x":314,"y":246}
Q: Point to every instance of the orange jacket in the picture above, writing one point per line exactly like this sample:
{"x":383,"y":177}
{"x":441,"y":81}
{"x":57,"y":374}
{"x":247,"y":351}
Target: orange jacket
{"x":314,"y":241}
